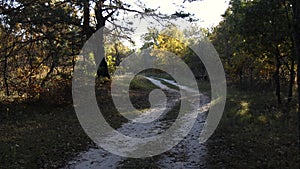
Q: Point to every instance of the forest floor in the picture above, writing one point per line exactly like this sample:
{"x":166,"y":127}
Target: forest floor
{"x":254,"y":132}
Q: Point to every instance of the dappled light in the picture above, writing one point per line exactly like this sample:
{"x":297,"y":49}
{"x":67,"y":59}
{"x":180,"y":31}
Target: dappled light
{"x":244,"y":108}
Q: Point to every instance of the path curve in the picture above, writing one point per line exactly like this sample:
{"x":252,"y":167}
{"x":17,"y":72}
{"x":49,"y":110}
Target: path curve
{"x":189,"y":153}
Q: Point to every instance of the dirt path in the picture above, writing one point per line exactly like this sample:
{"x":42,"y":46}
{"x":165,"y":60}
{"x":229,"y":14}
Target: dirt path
{"x":189,"y":153}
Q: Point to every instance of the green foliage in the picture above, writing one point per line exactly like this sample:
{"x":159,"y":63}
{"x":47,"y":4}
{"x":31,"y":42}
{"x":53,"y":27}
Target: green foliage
{"x":39,"y":44}
{"x":254,"y":40}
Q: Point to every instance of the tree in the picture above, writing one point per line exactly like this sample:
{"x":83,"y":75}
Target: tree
{"x":254,"y":40}
{"x":108,"y":11}
{"x":42,"y":44}
{"x":45,"y":36}
{"x":176,"y":43}
{"x":115,"y":52}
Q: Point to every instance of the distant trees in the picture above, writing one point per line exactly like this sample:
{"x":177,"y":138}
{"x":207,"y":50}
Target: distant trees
{"x":177,"y":42}
{"x":115,"y":52}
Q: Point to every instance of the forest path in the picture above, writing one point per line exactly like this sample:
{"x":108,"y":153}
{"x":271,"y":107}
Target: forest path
{"x":189,"y":153}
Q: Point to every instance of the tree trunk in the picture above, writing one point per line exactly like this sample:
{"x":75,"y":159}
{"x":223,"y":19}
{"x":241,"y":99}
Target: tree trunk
{"x":98,"y":51}
{"x":88,"y":31}
{"x":277,"y":79}
{"x":103,"y":67}
{"x":251,"y":76}
{"x":53,"y":65}
{"x":118,"y":57}
{"x":296,"y":37}
{"x":277,"y":74}
{"x":292,"y":80}
{"x":5,"y":75}
{"x":241,"y":79}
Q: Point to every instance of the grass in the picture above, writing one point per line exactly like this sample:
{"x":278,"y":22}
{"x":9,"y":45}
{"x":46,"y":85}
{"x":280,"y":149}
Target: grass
{"x":140,"y":83}
{"x":204,"y":87}
{"x":39,"y":136}
{"x":44,"y":135}
{"x":139,"y":91}
{"x":255,"y":132}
